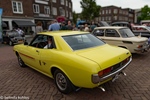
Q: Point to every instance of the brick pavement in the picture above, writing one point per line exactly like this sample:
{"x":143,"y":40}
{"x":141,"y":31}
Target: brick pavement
{"x":30,"y":84}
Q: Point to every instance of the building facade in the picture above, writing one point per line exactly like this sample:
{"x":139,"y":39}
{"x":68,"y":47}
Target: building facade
{"x":26,"y":13}
{"x":113,"y":13}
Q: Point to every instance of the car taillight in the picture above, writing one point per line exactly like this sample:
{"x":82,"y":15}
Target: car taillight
{"x":105,"y":71}
{"x":139,"y":46}
{"x":125,"y":61}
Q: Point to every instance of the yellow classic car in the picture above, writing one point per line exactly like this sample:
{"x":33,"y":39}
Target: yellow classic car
{"x":74,"y":59}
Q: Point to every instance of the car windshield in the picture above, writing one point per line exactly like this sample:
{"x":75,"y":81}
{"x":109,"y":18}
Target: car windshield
{"x":148,"y":28}
{"x":82,"y":41}
{"x":126,"y":32}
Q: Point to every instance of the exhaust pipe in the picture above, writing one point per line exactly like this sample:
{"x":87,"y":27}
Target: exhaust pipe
{"x":103,"y":89}
{"x":123,"y":73}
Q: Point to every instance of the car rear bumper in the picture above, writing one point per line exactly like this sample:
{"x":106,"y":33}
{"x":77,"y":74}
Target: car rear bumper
{"x":97,"y":80}
{"x":144,"y":48}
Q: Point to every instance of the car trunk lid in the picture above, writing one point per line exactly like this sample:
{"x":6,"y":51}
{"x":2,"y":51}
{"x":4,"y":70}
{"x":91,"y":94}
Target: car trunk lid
{"x":105,"y":56}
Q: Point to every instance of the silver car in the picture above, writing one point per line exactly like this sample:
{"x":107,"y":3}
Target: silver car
{"x":12,"y":37}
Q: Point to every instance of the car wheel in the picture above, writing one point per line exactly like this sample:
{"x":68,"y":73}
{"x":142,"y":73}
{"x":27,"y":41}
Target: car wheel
{"x":62,"y":82}
{"x":10,"y":43}
{"x":20,"y":61}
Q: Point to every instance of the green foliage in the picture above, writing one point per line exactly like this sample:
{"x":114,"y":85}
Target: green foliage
{"x":90,"y":9}
{"x":75,"y":16}
{"x":145,"y":13}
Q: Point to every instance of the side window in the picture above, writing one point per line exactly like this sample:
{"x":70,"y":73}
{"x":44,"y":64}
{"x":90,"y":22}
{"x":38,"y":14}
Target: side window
{"x":39,"y":41}
{"x":111,"y":33}
{"x":50,"y":44}
{"x":99,"y":32}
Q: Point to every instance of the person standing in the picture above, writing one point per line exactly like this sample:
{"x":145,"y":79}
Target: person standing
{"x":39,"y":27}
{"x":54,"y":26}
{"x":92,"y":27}
{"x":63,"y":26}
{"x":86,"y":28}
{"x":20,"y":31}
{"x":69,"y":26}
{"x":74,"y":28}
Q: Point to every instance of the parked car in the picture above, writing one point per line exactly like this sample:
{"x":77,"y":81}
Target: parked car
{"x":103,"y":23}
{"x":122,"y":37}
{"x":74,"y":59}
{"x":144,"y":31}
{"x":12,"y":37}
{"x":122,"y":24}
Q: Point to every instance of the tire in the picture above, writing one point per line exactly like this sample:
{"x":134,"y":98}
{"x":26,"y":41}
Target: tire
{"x":62,"y":82}
{"x":20,"y":62}
{"x":10,"y":43}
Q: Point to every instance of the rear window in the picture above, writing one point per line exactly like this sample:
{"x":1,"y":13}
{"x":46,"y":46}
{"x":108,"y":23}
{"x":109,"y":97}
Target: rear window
{"x":126,"y":32}
{"x":82,"y":41}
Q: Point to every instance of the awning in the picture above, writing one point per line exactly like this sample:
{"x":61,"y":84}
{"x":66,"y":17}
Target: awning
{"x":4,"y":24}
{"x":21,"y":23}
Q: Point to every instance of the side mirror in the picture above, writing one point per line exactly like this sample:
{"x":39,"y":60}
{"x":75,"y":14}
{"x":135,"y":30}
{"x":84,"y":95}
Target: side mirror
{"x":25,"y":43}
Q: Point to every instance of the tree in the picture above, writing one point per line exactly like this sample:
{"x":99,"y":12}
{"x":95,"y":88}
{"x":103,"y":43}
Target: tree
{"x":75,"y":16}
{"x":145,"y":13}
{"x":90,"y":9}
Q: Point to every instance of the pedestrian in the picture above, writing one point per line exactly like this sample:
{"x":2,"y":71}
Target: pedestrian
{"x":86,"y":28}
{"x":54,"y":26}
{"x":39,"y":27}
{"x":20,"y":31}
{"x":63,"y":26}
{"x":92,"y":27}
{"x":75,"y":28}
{"x":69,"y":26}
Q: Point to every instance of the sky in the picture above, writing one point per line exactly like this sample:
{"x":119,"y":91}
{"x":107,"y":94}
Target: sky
{"x":133,"y":4}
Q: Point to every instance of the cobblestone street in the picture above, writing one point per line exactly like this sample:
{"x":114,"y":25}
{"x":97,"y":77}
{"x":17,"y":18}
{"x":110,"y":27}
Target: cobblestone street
{"x":27,"y":83}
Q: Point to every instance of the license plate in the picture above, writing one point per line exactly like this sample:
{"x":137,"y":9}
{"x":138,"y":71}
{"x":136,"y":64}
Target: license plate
{"x":115,"y":77}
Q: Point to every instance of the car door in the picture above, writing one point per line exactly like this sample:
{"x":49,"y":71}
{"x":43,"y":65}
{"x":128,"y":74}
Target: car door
{"x":48,"y":56}
{"x":33,"y":51}
{"x":112,"y":37}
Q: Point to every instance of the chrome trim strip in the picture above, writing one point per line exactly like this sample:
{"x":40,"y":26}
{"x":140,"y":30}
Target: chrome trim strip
{"x":119,"y":70}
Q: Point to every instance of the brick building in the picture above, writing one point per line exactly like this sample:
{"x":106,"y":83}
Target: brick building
{"x":113,"y":13}
{"x":25,"y":13}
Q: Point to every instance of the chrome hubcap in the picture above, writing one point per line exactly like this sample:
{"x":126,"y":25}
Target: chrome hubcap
{"x":61,"y":81}
{"x":10,"y":43}
{"x":20,"y":61}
